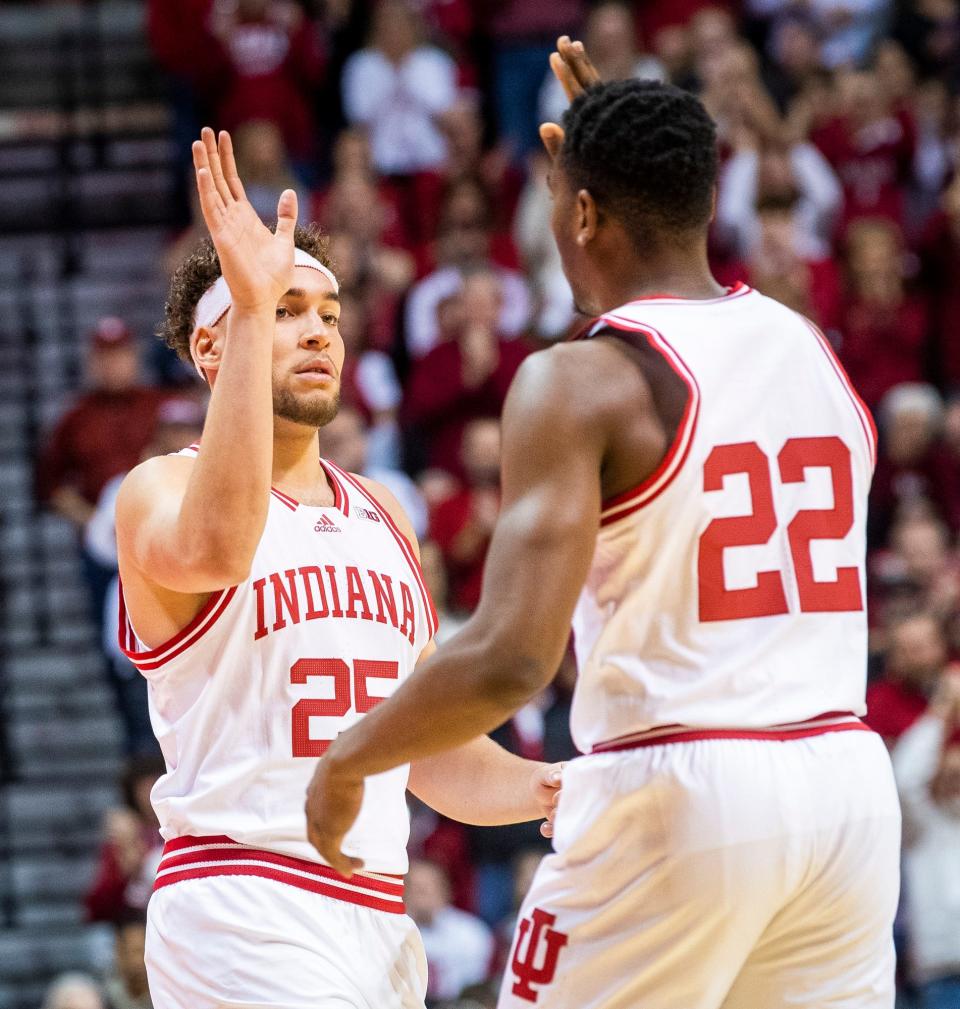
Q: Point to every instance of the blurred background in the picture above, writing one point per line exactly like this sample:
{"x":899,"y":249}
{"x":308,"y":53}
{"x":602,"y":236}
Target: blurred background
{"x":408,"y":128}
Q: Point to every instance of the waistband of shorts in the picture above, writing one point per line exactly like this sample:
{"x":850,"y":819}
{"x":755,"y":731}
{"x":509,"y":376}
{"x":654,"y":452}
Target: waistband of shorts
{"x":830,"y":721}
{"x":199,"y":857}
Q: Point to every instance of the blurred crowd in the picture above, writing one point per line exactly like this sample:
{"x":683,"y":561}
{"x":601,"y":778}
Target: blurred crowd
{"x":409,"y":130}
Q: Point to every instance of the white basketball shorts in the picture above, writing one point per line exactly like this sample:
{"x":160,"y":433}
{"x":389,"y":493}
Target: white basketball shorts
{"x":245,"y":942}
{"x":734,"y":873}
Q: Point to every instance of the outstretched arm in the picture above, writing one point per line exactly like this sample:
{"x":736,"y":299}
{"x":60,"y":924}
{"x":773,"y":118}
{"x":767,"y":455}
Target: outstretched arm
{"x":483,"y":784}
{"x":193,"y":526}
{"x":553,"y":449}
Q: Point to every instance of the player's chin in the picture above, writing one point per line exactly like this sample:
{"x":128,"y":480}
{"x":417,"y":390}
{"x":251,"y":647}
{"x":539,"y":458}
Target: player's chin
{"x":314,"y":408}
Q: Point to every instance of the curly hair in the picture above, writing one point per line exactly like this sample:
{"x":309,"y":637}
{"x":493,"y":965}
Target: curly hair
{"x":199,"y":271}
{"x":646,"y":152}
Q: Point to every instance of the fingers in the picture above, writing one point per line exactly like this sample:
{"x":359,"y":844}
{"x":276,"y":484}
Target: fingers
{"x":216,"y":170}
{"x":564,"y":74}
{"x":211,"y":204}
{"x":287,"y":214}
{"x":229,"y":165}
{"x":575,"y":56}
{"x":330,"y":851}
{"x":552,"y":137}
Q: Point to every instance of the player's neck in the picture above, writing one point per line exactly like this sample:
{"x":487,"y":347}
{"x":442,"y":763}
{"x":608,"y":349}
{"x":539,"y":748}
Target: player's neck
{"x":296,"y":464}
{"x":679,"y":272}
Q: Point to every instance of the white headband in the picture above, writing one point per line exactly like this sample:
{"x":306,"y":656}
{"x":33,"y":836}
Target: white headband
{"x":212,"y":307}
{"x":216,"y":300}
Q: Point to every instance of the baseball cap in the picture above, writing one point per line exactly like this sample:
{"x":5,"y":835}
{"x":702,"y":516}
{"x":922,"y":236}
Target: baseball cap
{"x":110,"y":333}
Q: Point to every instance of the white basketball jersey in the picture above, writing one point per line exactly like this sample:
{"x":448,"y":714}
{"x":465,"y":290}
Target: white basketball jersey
{"x":727,"y":591}
{"x":332,"y":618}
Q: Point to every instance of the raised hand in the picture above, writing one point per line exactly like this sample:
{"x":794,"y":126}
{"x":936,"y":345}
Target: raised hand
{"x":256,"y":263}
{"x":575,"y":71}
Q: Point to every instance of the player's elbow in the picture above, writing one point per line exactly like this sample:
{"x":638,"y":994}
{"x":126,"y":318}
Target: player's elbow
{"x":221,"y":563}
{"x":196,"y":567}
{"x":513,"y":677}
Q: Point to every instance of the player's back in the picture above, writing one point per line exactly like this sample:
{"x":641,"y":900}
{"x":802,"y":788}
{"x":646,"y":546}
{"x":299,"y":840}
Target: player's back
{"x":727,"y":590}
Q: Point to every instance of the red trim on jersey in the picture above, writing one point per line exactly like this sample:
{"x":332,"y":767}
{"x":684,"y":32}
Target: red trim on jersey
{"x":862,"y":410}
{"x":738,"y":290}
{"x":817,"y":726}
{"x":153,"y":658}
{"x":340,"y":498}
{"x":285,"y":499}
{"x":648,"y":490}
{"x":406,"y":548}
{"x":199,"y":857}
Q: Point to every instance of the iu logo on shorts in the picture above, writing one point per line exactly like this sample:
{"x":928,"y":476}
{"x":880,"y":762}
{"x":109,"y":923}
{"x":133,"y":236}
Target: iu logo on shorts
{"x":536,"y":962}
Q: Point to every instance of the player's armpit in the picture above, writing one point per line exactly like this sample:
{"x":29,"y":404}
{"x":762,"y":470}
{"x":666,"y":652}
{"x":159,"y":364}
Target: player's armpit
{"x":154,"y":538}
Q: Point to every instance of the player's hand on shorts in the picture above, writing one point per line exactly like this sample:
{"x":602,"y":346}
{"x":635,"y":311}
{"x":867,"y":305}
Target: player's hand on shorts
{"x":575,"y":71}
{"x":256,"y":263}
{"x":333,"y":805}
{"x":546,"y":782}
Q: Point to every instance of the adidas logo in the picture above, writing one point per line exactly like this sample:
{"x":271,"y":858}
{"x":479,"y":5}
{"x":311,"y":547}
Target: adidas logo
{"x":326,"y":525}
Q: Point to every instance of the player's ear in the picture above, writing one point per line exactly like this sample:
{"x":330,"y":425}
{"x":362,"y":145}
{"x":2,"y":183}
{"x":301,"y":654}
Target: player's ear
{"x":205,"y":349}
{"x":588,"y":217}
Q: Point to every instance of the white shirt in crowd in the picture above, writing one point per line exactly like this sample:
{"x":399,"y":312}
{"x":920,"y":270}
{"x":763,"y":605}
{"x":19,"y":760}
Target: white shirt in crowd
{"x":398,"y":103}
{"x":423,"y":331}
{"x":459,"y":949}
{"x":820,"y":198}
{"x":931,"y":854}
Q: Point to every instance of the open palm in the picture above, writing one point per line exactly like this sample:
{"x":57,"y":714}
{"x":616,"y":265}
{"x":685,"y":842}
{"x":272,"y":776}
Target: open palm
{"x":256,"y":263}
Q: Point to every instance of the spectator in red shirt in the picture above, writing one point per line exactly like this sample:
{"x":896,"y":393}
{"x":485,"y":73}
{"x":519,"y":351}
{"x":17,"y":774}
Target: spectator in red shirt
{"x":501,"y":181}
{"x":466,"y":377}
{"x":916,"y":658}
{"x":940,"y":257}
{"x":272,"y":62}
{"x":784,"y":267}
{"x":128,"y":859}
{"x":466,"y":244}
{"x":463,"y":523}
{"x":871,"y":147}
{"x":884,"y":325}
{"x":920,"y":571}
{"x":914,"y":466}
{"x":103,"y":434}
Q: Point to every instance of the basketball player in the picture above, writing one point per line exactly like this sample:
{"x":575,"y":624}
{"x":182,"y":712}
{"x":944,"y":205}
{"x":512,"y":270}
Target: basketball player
{"x":687,"y":481}
{"x":271,"y":599}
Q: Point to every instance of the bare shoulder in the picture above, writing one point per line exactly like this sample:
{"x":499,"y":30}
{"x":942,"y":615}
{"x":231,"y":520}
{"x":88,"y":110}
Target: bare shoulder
{"x":583,"y":382}
{"x":150,"y":487}
{"x":392,"y":506}
{"x":161,"y":476}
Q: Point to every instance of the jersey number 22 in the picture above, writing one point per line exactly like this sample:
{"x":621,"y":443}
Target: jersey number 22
{"x":767,"y":598}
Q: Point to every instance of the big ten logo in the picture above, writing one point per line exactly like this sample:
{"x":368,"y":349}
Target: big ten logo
{"x":536,"y":953}
{"x":366,"y":513}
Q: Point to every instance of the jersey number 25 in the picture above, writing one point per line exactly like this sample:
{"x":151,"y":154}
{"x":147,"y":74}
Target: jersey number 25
{"x":304,"y":745}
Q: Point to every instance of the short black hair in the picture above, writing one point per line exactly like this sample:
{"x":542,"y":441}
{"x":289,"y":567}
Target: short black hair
{"x":646,"y":152}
